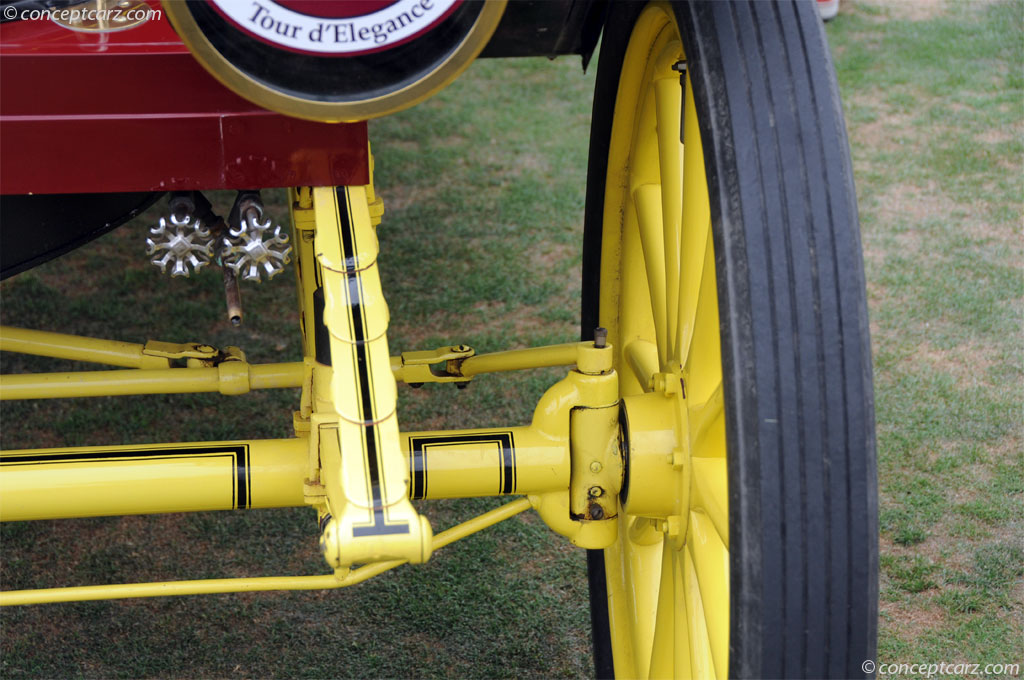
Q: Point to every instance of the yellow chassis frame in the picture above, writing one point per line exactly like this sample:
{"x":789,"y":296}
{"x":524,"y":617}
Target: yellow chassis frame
{"x":568,"y":462}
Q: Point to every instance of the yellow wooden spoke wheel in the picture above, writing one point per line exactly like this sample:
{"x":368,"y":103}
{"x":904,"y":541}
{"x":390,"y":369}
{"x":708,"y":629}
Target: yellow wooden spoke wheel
{"x":722,"y":255}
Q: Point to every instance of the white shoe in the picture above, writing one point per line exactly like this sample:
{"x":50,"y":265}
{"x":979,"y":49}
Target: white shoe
{"x":828,"y":9}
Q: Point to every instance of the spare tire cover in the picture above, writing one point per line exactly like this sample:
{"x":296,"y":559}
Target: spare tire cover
{"x":335,"y":60}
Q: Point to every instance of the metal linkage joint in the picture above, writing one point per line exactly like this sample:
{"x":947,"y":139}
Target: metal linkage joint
{"x":416,"y":368}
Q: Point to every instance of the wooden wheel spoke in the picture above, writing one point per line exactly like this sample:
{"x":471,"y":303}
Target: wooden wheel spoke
{"x":642,"y":359}
{"x":682,"y":663}
{"x":662,"y":664}
{"x":707,"y":425}
{"x":710,"y":493}
{"x":701,"y":662}
{"x":668,"y":105}
{"x":702,"y":361}
{"x":696,"y":227}
{"x":642,"y":562}
{"x":647,"y":199}
{"x":711,"y":569}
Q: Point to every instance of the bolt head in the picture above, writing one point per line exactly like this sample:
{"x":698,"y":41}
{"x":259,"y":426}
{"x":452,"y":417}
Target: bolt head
{"x":595,"y":467}
{"x":674,"y":526}
{"x":678,"y":458}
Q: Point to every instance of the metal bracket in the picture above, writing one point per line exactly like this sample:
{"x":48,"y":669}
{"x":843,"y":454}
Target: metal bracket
{"x":179,"y":350}
{"x":417,"y":368}
{"x":196,"y":355}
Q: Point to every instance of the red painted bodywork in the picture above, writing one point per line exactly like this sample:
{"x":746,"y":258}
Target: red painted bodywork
{"x":131,"y":110}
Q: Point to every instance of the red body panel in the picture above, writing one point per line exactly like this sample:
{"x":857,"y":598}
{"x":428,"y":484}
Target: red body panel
{"x":133,"y":111}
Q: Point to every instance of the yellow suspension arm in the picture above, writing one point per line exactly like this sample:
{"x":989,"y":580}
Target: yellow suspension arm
{"x":76,"y":348}
{"x":229,"y":377}
{"x":205,"y":374}
{"x":520,"y":359}
{"x":238,"y":585}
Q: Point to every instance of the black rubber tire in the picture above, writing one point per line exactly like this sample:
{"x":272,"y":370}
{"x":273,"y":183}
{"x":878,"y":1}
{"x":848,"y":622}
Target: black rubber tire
{"x":794,"y":333}
{"x":40,"y":227}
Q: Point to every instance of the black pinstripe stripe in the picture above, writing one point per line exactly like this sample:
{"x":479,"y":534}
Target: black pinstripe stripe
{"x":380,"y":525}
{"x":418,"y":458}
{"x":241,"y":488}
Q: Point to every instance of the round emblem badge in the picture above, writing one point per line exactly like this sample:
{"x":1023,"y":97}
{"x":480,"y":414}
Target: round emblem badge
{"x":335,"y":28}
{"x":335,"y":60}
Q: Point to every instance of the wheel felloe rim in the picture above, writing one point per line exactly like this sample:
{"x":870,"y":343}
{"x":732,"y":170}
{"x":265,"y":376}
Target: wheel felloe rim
{"x":668,"y":575}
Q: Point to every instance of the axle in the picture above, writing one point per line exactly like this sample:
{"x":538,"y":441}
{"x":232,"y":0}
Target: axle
{"x":269,"y":473}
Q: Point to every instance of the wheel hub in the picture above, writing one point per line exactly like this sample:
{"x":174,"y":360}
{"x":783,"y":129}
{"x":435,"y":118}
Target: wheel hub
{"x":656,"y":440}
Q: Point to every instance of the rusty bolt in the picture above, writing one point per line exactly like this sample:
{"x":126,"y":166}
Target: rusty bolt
{"x":596,"y":511}
{"x":595,"y":492}
{"x":595,"y":467}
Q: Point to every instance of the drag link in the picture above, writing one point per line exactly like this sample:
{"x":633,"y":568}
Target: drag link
{"x":462,"y":363}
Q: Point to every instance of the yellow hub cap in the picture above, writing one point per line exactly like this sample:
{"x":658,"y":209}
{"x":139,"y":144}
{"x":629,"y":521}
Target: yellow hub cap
{"x":668,"y":575}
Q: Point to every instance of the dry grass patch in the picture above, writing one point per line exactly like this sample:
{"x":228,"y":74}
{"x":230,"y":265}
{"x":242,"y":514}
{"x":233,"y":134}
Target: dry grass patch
{"x":909,"y":620}
{"x":969,"y":362}
{"x":885,"y":131}
{"x":912,"y":204}
{"x":996,"y":136}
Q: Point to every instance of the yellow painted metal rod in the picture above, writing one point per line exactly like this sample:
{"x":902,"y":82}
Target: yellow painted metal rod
{"x":151,"y":375}
{"x":201,"y":587}
{"x":238,"y":585}
{"x":446,"y":537}
{"x":520,"y":359}
{"x":100,"y":481}
{"x":485,"y":462}
{"x":203,"y":476}
{"x":229,"y":378}
{"x":77,"y":348}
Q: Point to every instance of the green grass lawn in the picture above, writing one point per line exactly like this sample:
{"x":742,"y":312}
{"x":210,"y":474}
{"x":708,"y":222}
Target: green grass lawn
{"x":933,"y":95}
{"x":483,"y":189}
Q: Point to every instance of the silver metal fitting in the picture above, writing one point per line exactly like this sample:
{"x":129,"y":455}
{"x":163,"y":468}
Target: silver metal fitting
{"x":251,"y":252}
{"x":182,"y":242}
